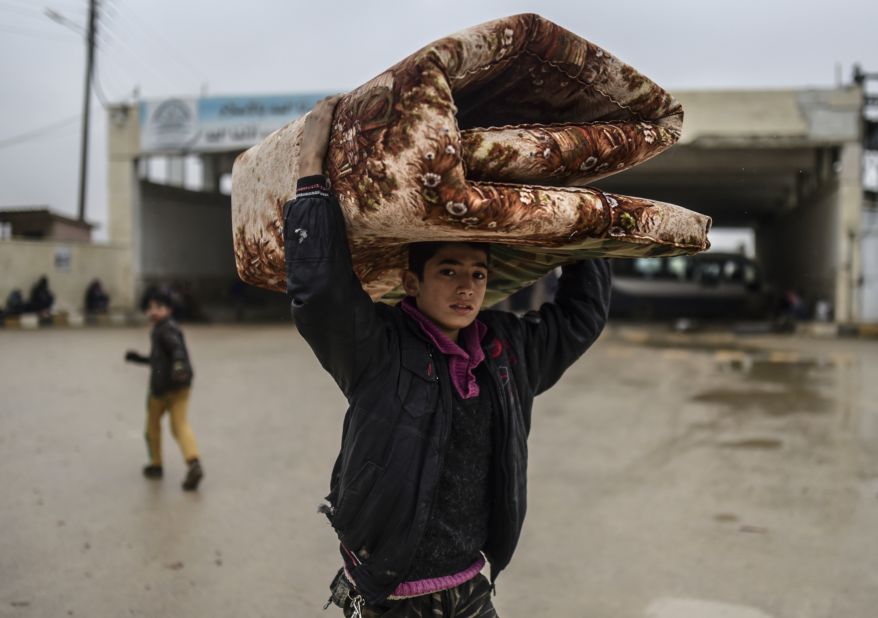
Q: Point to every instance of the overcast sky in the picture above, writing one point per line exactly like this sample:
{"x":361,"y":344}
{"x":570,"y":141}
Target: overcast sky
{"x":165,"y":48}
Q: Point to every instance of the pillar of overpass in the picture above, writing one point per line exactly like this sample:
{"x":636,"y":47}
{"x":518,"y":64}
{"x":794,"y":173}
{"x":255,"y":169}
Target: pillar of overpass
{"x":848,"y":295}
{"x":210,"y":173}
{"x":214,"y":166}
{"x":798,"y":245}
{"x":176,"y":176}
{"x":813,"y":245}
{"x":123,"y":197}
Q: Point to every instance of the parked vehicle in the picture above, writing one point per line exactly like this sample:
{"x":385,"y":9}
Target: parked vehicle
{"x":707,"y":285}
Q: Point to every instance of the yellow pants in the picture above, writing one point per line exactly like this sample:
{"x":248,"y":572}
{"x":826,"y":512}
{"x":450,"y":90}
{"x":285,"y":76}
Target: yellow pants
{"x":177,"y":403}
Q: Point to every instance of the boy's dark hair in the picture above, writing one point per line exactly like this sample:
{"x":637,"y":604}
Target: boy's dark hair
{"x":420,"y":252}
{"x":159,"y":297}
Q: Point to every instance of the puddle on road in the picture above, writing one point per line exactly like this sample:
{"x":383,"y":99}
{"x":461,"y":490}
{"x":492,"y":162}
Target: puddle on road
{"x":781,"y":367}
{"x":776,"y":383}
{"x":777,"y":403}
{"x":753,"y":443}
{"x":771,"y":381}
{"x":704,"y":343}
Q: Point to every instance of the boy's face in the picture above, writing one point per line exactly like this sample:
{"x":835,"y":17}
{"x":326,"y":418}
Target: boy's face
{"x":156,"y":312}
{"x":453,"y":287}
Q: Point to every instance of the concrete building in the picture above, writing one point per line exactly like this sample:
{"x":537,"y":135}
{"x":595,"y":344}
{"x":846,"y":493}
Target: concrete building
{"x":37,"y":242}
{"x":42,"y":224}
{"x":786,"y":164}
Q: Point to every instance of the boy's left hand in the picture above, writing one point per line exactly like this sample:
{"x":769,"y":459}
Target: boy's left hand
{"x":315,"y":137}
{"x":133,"y":357}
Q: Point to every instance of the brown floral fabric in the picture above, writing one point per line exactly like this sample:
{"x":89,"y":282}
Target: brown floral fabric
{"x":486,"y":135}
{"x":563,"y":154}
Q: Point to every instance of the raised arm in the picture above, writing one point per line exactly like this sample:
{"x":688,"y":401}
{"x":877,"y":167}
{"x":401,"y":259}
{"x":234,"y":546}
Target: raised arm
{"x":561,"y":331}
{"x":331,"y":310}
{"x":133,"y":356}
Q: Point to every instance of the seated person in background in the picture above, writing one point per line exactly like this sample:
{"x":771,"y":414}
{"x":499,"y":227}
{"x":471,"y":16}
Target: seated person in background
{"x":41,"y":298}
{"x":15,"y":304}
{"x":97,"y":301}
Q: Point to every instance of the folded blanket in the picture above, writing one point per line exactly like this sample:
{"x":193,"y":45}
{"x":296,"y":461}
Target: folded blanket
{"x":487,"y":135}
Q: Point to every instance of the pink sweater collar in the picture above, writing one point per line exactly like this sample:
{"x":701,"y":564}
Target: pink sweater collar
{"x":463,"y":357}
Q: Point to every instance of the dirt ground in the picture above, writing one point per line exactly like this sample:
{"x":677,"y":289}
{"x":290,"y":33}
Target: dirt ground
{"x":671,"y":476}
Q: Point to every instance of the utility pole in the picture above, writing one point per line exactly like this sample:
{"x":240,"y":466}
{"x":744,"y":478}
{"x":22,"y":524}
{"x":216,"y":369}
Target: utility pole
{"x":86,"y":106}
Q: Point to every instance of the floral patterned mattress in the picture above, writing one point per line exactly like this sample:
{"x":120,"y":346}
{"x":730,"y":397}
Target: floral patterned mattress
{"x":490,"y":135}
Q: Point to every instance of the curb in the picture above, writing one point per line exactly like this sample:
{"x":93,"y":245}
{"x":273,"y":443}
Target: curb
{"x":847,"y":331}
{"x":640,"y":333}
{"x":30,"y":321}
{"x":863,"y":331}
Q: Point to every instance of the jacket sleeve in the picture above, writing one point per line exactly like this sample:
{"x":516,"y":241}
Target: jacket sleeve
{"x":137,"y":358}
{"x":561,"y":331}
{"x":332,"y":312}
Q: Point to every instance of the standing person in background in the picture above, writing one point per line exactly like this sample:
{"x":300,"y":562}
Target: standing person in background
{"x":169,"y":386}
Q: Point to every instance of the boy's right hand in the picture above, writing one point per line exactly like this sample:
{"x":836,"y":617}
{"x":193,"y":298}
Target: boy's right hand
{"x":133,"y":357}
{"x":315,"y":137}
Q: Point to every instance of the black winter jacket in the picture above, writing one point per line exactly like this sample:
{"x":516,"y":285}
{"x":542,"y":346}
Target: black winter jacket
{"x":397,"y":423}
{"x":168,"y":359}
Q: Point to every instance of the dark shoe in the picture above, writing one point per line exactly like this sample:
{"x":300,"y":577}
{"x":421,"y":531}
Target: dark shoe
{"x":194,"y":476}
{"x":153,"y":471}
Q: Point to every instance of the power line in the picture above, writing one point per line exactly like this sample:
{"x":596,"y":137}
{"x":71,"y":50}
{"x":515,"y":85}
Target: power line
{"x":163,"y":44}
{"x":98,"y":79}
{"x":103,"y":55}
{"x":37,"y":133}
{"x":107,"y":38}
{"x":105,"y":42}
{"x":57,"y":17}
{"x":64,"y":21}
{"x":98,"y":87}
{"x":139,"y":25}
{"x":104,"y":39}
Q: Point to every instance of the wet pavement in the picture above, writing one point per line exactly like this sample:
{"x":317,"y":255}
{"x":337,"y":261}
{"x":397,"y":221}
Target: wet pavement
{"x":671,"y":476}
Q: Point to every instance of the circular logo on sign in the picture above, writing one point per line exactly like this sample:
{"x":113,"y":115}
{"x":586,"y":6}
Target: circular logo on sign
{"x":172,"y":116}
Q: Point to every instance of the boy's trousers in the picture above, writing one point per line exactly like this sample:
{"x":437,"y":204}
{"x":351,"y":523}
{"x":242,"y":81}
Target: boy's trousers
{"x":177,"y":403}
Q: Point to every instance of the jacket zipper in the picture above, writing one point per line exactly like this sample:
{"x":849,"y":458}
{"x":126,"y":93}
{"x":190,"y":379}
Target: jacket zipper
{"x":503,"y":412}
{"x":442,"y":451}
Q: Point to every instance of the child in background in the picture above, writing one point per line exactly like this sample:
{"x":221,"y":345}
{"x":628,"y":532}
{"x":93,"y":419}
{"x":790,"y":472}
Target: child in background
{"x":169,"y":386}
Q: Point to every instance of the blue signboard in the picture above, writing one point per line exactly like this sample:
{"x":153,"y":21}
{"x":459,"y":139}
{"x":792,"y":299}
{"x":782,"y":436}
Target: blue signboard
{"x":215,"y":124}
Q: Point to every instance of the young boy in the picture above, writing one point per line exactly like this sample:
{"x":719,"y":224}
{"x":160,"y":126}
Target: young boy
{"x":169,"y":385}
{"x":431,"y":479}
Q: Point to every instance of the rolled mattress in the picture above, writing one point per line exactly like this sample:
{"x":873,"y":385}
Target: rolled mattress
{"x":487,"y":135}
